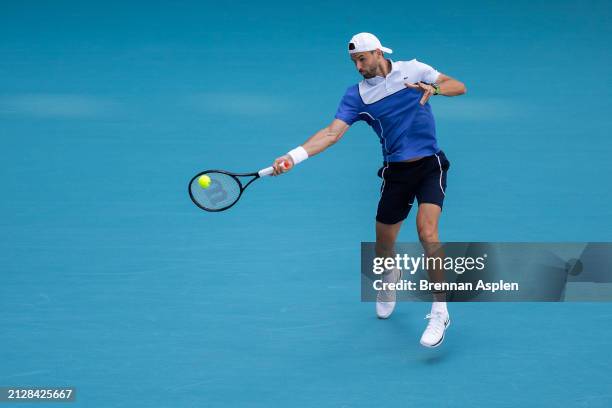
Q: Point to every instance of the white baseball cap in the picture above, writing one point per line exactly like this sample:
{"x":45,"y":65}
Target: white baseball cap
{"x":366,"y":42}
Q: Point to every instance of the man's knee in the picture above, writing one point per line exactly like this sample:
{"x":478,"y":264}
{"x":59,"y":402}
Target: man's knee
{"x":428,"y":233}
{"x":427,"y":222}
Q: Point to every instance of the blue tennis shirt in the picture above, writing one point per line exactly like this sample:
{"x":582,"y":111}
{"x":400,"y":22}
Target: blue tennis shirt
{"x":406,"y":128}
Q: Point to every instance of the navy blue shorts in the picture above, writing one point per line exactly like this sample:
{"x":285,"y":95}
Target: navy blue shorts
{"x":424,"y":179}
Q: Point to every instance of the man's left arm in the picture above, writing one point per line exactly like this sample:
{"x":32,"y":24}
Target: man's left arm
{"x":444,"y":85}
{"x":448,"y":86}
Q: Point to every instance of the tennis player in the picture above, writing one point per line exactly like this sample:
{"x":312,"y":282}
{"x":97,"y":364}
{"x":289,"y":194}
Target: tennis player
{"x":393,"y":99}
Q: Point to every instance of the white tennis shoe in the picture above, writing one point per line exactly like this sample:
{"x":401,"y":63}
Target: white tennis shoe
{"x":385,"y":299}
{"x":433,"y":335}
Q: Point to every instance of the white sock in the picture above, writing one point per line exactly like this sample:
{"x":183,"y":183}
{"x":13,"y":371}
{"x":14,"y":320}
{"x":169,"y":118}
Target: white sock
{"x":439,"y":307}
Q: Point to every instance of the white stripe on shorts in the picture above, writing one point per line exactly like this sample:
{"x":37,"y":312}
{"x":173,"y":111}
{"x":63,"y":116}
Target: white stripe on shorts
{"x":440,"y":164}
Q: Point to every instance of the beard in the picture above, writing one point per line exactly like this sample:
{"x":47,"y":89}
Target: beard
{"x":369,"y":74}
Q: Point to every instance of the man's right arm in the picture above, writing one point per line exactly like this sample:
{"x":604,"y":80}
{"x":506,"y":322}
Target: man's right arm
{"x":318,"y":142}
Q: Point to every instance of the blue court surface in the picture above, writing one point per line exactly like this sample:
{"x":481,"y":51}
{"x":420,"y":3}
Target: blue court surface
{"x":113,"y":282}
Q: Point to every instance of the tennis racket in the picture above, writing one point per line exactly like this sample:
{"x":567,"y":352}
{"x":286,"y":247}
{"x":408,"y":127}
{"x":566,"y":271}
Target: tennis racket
{"x":225,"y":187}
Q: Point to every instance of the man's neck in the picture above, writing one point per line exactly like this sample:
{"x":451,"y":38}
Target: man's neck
{"x":385,"y":68}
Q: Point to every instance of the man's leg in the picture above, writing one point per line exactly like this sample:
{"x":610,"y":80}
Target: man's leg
{"x":396,"y":198}
{"x":428,"y":218}
{"x":386,"y":235}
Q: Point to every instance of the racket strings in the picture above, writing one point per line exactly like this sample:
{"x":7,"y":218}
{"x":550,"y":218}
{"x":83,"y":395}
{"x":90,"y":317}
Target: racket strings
{"x":224,"y":190}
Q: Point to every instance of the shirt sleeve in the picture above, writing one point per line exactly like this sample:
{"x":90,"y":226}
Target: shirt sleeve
{"x":348,"y":109}
{"x":427,"y":73}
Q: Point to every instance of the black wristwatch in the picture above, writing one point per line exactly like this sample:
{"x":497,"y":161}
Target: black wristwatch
{"x":436,"y":88}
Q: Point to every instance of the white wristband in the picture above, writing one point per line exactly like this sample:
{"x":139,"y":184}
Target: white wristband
{"x":298,"y":155}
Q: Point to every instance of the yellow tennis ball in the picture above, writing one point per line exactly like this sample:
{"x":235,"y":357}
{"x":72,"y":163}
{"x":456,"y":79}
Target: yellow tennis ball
{"x":204,"y":181}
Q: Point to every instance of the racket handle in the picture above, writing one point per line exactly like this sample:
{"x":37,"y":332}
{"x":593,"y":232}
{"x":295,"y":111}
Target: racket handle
{"x":266,"y":172}
{"x":269,"y":170}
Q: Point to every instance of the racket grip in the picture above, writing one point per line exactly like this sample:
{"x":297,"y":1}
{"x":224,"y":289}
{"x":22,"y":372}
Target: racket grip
{"x":266,"y":172}
{"x":269,"y":170}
